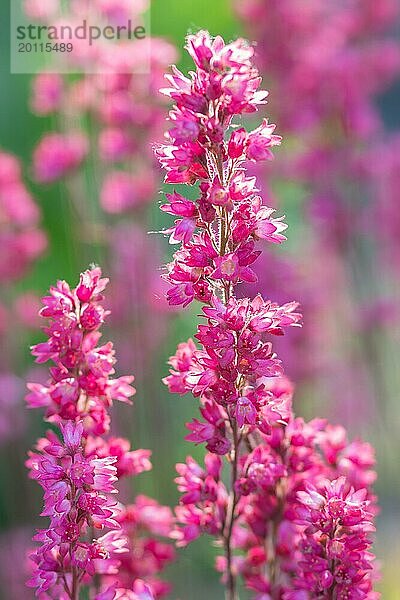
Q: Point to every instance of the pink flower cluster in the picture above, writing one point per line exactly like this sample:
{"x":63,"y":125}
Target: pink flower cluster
{"x":77,"y":500}
{"x":279,"y":536}
{"x":230,"y":373}
{"x":224,"y":85}
{"x":79,"y":472}
{"x":261,"y":518}
{"x":80,"y":386}
{"x":336,"y":540}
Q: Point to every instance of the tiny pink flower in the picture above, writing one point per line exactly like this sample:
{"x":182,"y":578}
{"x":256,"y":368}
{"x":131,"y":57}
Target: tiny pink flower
{"x":245,"y":412}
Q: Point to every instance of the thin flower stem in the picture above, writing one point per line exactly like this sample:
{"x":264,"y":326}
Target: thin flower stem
{"x":75,"y":585}
{"x":231,"y":587}
{"x":65,"y":584}
{"x":231,"y":583}
{"x":75,"y":579}
{"x":271,"y":543}
{"x":273,"y":564}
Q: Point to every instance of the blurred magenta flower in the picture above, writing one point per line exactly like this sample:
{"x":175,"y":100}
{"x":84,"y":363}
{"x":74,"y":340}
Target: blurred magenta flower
{"x":47,"y":93}
{"x":57,"y":154}
{"x":13,"y":422}
{"x":41,"y":10}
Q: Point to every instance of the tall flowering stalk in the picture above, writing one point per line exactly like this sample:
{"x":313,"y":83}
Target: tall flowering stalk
{"x":296,"y":490}
{"x":88,"y":530}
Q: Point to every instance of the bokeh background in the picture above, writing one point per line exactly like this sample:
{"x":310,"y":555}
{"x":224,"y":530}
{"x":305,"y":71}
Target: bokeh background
{"x":335,"y":96}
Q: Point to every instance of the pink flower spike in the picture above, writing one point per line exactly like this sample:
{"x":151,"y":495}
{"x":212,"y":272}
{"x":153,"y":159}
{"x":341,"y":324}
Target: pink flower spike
{"x":285,"y":476}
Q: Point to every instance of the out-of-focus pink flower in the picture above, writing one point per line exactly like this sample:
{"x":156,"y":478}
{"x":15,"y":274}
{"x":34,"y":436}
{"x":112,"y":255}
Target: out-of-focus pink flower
{"x":129,"y":462}
{"x":15,"y":543}
{"x":119,"y":11}
{"x":27,"y":308}
{"x":140,"y":591}
{"x":143,"y":523}
{"x":47,"y":93}
{"x":57,"y":154}
{"x":41,"y":10}
{"x":115,"y":144}
{"x":12,"y":420}
{"x":123,"y":191}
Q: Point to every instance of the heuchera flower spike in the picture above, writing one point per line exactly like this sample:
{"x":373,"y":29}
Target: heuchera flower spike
{"x":293,"y":519}
{"x":91,"y":540}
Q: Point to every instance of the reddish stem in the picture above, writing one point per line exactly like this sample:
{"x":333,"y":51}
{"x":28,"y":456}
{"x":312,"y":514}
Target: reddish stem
{"x":231,"y":588}
{"x":75,"y":586}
